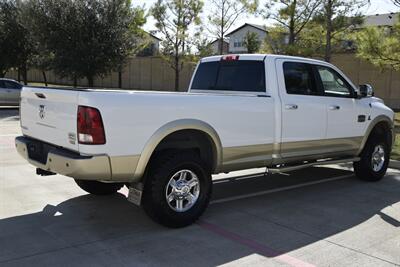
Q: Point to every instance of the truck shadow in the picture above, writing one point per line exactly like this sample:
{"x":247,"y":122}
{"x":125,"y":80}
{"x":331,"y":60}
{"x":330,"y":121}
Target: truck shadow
{"x":89,"y":230}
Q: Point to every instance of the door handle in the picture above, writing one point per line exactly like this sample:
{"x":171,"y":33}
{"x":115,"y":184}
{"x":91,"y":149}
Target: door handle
{"x":292,"y":106}
{"x":334,"y":107}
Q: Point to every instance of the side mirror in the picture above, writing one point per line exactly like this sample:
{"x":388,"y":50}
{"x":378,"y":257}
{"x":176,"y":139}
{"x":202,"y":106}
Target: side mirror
{"x":366,"y":90}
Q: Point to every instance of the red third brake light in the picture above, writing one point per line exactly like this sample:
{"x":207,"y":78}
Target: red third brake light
{"x":230,"y":58}
{"x":90,"y":126}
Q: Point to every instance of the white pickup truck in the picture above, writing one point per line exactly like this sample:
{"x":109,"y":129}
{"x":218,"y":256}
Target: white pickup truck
{"x":241,"y":111}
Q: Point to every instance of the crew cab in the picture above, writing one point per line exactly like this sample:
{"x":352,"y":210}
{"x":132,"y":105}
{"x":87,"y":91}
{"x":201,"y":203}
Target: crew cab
{"x":240,"y":112}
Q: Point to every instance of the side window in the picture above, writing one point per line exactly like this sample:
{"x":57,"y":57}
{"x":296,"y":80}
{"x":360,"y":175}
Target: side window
{"x":2,"y":85}
{"x":206,"y":75}
{"x":299,"y":79}
{"x":334,"y":84}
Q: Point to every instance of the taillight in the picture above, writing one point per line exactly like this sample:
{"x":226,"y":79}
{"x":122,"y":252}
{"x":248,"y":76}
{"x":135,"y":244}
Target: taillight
{"x":90,"y":126}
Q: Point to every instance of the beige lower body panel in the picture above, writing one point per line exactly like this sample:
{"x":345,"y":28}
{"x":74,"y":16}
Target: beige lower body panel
{"x":124,"y":167}
{"x":317,"y":147}
{"x":245,"y":157}
{"x":254,"y":156}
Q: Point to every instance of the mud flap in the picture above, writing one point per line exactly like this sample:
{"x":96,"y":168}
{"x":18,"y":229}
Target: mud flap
{"x":135,"y":194}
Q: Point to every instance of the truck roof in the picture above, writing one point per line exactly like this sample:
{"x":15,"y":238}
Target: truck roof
{"x":260,"y":57}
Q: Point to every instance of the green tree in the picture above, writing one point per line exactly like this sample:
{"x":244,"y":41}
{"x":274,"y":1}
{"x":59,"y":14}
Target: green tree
{"x":16,"y":47}
{"x":252,"y":42}
{"x":86,"y":38}
{"x":224,"y":14}
{"x":337,"y":17}
{"x":41,"y":60}
{"x":292,"y":15}
{"x":309,"y":43}
{"x":380,"y":46}
{"x":202,"y":45}
{"x":173,"y":20}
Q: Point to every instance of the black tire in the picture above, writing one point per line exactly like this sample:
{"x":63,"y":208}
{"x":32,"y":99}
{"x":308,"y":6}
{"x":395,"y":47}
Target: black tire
{"x":364,"y":169}
{"x":159,"y":175}
{"x":99,"y":188}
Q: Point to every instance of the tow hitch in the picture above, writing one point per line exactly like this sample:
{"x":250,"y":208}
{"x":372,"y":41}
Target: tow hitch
{"x":42,"y":172}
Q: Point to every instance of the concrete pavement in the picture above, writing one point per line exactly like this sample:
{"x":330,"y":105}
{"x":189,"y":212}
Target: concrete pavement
{"x":314,"y":217}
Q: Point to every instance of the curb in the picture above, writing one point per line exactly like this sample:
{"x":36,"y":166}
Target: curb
{"x":394,"y":164}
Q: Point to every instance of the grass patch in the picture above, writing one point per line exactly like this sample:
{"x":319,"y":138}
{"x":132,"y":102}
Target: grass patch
{"x":396,"y":146}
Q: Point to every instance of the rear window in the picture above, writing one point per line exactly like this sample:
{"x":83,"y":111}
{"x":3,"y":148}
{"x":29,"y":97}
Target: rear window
{"x":238,"y":75}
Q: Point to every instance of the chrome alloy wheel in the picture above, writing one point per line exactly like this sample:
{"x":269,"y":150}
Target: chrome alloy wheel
{"x":378,"y":158}
{"x":182,"y":191}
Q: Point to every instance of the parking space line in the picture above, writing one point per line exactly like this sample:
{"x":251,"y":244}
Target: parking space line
{"x":265,"y":192}
{"x":221,"y":181}
{"x":258,"y":247}
{"x":239,"y":178}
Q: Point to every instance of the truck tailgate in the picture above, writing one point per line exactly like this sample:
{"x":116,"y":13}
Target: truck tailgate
{"x":50,"y":115}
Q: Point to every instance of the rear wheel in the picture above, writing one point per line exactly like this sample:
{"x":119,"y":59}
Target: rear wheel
{"x":99,"y":188}
{"x":374,"y":160}
{"x":177,"y":189}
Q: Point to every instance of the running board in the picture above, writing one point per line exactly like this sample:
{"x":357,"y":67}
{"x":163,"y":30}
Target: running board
{"x":306,"y":165}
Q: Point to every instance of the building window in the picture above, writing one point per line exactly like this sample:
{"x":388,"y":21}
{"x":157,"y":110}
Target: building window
{"x":237,"y":43}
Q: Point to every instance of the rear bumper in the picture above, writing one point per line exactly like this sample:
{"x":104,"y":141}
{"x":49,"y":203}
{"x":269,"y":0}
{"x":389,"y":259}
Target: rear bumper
{"x":65,"y":162}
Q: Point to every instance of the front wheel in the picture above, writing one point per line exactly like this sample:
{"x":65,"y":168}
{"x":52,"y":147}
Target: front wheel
{"x":177,"y":189}
{"x":374,"y":160}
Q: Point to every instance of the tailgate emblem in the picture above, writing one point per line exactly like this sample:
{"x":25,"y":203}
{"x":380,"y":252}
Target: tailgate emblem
{"x":42,"y":113}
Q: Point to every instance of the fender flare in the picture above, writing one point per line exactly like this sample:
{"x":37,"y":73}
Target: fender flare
{"x":174,"y":126}
{"x":371,"y":126}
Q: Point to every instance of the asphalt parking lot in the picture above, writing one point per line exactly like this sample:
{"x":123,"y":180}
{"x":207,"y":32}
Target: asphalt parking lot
{"x":314,"y":217}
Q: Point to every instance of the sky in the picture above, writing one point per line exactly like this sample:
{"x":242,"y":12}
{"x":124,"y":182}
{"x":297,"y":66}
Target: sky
{"x":376,"y":7}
